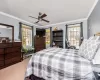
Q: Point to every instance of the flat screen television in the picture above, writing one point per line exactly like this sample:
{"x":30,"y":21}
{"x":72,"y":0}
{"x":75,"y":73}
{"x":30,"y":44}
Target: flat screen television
{"x":40,"y":32}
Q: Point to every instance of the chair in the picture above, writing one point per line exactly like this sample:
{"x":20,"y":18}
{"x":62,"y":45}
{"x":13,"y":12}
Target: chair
{"x":68,"y":46}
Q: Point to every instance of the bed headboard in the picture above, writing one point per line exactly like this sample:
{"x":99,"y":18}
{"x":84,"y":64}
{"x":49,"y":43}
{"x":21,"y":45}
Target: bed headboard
{"x":97,"y":34}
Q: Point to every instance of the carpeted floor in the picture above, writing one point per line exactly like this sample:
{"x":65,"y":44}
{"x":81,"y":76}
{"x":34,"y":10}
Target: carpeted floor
{"x":14,"y":72}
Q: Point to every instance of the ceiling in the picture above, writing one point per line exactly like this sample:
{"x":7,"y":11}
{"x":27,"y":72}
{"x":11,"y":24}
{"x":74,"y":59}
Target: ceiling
{"x":57,"y":10}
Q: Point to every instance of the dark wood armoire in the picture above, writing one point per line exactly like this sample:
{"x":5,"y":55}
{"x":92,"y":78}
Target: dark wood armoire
{"x":39,"y":40}
{"x":39,"y":43}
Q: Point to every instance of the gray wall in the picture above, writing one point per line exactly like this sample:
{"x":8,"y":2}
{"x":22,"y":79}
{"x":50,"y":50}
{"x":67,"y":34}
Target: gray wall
{"x":8,"y":20}
{"x":94,"y":21}
{"x":15,"y":23}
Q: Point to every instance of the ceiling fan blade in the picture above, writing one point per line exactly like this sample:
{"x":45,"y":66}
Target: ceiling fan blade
{"x":44,"y":15}
{"x":40,"y":24}
{"x":33,"y":17}
{"x":37,"y":22}
{"x":46,"y":20}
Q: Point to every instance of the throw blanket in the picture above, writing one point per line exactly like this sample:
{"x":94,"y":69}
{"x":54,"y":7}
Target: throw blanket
{"x":59,"y":64}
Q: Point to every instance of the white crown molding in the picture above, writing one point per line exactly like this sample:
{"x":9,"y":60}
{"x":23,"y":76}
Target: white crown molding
{"x":95,"y":3}
{"x":11,"y":16}
{"x":50,"y":25}
{"x":45,"y":26}
{"x":91,"y":10}
{"x":66,"y":22}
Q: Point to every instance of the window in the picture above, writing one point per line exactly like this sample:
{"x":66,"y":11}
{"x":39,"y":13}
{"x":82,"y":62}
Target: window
{"x":26,"y":35}
{"x":47,"y":37}
{"x":73,"y":32}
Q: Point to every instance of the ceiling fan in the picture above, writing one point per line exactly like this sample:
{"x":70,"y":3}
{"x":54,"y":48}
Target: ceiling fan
{"x":40,"y":17}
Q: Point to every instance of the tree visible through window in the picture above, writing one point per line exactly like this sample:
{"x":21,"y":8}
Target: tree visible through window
{"x":26,"y":35}
{"x":48,"y":37}
{"x":74,"y":35}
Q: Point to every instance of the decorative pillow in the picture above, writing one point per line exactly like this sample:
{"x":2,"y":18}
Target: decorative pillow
{"x":88,"y":49}
{"x":96,"y":59}
{"x":94,"y":38}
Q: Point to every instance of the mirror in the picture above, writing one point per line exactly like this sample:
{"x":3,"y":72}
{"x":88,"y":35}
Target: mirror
{"x":6,"y":33}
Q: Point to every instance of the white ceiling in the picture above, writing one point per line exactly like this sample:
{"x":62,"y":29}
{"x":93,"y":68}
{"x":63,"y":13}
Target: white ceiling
{"x":57,"y":10}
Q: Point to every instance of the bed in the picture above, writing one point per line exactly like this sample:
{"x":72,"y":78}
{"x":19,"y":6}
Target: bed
{"x":59,"y":64}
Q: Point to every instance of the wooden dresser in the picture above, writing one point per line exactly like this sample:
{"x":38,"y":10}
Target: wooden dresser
{"x":39,"y":43}
{"x":10,"y":53}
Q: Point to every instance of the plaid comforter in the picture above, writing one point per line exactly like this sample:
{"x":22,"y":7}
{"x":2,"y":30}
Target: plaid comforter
{"x":59,"y":64}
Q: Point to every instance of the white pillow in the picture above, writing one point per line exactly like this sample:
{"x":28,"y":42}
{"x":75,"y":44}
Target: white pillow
{"x":94,"y":38}
{"x":96,"y":59}
{"x":88,"y":49}
{"x":91,"y":38}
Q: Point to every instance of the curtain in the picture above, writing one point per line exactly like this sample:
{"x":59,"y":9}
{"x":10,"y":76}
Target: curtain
{"x":50,"y":36}
{"x":81,"y":32}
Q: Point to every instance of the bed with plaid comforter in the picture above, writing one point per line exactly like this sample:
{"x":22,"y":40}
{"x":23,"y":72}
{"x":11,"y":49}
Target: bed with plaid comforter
{"x":59,"y":64}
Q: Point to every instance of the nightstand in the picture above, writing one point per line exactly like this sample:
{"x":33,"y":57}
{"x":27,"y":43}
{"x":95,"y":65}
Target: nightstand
{"x":96,"y":70}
